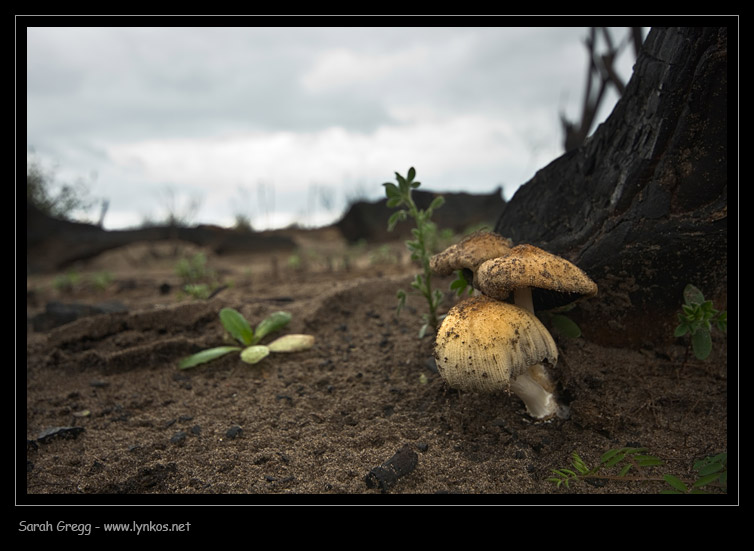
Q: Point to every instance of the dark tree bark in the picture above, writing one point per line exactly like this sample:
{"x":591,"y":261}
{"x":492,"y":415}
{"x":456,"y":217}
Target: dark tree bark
{"x":642,"y":205}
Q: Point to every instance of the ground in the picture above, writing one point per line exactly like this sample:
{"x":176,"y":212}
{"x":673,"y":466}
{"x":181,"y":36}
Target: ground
{"x":318,"y":422}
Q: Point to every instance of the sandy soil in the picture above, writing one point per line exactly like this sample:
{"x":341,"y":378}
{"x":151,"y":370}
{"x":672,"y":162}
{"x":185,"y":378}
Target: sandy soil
{"x":316,"y":423}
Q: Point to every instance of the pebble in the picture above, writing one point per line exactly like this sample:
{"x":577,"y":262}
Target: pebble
{"x":234,"y":432}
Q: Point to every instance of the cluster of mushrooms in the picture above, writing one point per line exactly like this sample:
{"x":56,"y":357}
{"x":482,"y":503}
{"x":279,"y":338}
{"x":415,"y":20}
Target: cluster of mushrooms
{"x":487,"y":344}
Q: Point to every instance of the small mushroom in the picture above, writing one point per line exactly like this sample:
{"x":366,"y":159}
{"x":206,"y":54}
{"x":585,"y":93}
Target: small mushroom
{"x":486,"y":345}
{"x":469,"y":253}
{"x":558,"y":282}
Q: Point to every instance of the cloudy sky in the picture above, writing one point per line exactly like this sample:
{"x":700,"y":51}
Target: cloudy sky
{"x":287,"y":125}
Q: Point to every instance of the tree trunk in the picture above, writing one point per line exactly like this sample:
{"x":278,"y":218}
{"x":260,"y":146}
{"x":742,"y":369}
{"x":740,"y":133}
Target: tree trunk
{"x":642,"y":205}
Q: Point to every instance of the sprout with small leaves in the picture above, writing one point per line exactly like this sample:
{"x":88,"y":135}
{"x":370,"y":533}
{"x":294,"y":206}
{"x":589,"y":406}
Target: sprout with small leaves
{"x":400,"y":196}
{"x":697,"y":318}
{"x":251,"y":351}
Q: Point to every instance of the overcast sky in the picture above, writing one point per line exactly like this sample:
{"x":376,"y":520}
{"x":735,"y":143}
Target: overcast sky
{"x":287,"y":125}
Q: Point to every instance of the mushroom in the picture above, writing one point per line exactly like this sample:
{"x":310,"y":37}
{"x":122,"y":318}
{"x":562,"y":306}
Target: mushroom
{"x":469,"y":253}
{"x":558,"y":281}
{"x":486,"y":345}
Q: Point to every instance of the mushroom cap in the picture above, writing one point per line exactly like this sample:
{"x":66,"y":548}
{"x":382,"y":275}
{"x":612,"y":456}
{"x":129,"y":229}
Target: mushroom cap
{"x":484,"y":344}
{"x":470,"y":252}
{"x":554,"y":280}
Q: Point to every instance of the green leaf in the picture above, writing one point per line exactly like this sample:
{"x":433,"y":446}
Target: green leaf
{"x":710,"y":469}
{"x":393,"y":202}
{"x":579,"y":464}
{"x":565,"y":326}
{"x":720,"y":458}
{"x":675,"y":482}
{"x":255,"y":354}
{"x":401,"y":296}
{"x":411,"y":174}
{"x":701,"y":342}
{"x":273,"y":322}
{"x":681,"y":330}
{"x":617,"y":458}
{"x":391,"y":190}
{"x":722,"y":321}
{"x":704,"y":480}
{"x":206,"y":356}
{"x":397,"y":216}
{"x":236,"y":325}
{"x":402,"y":184}
{"x":608,"y":454}
{"x":436,"y":203}
{"x":648,"y":460}
{"x":437,"y":297}
{"x":692,"y":295}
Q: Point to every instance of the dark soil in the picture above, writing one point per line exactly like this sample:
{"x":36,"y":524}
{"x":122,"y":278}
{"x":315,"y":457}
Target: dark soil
{"x":318,"y":422}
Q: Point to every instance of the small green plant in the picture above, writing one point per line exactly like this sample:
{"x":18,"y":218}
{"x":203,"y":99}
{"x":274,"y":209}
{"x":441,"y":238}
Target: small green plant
{"x":461,"y":284}
{"x":198,"y":291}
{"x":624,"y":459}
{"x":65,"y":283}
{"x":696,"y":318}
{"x":251,"y":351}
{"x":199,"y":280}
{"x":712,"y":471}
{"x":420,"y":246}
{"x":101,"y":280}
{"x":628,"y":464}
{"x":194,"y":269}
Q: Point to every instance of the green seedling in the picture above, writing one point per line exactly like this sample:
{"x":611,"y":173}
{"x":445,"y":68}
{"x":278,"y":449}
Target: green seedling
{"x":712,"y":471}
{"x":461,"y":285}
{"x":696,"y":318}
{"x":629,"y":464}
{"x":251,"y":351}
{"x":65,"y":283}
{"x":101,"y":280}
{"x":194,"y":269}
{"x":622,"y":460}
{"x":199,"y":280}
{"x":420,"y":246}
{"x":197,"y":290}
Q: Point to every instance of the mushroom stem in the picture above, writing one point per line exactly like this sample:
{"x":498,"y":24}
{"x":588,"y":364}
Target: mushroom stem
{"x":522,"y":297}
{"x":535,"y":389}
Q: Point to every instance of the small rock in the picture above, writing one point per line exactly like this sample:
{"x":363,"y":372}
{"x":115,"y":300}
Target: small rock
{"x":179,"y":437}
{"x":59,"y":432}
{"x":386,"y":475}
{"x":234,"y":432}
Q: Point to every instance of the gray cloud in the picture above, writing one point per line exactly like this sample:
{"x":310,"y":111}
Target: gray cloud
{"x":125,"y":102}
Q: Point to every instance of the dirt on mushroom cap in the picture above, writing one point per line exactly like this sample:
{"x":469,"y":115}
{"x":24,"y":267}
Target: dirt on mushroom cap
{"x":483,"y":344}
{"x":470,"y":252}
{"x":530,"y":266}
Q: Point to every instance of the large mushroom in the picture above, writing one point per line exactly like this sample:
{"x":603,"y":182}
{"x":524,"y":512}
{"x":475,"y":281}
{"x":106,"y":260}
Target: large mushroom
{"x":487,"y":345}
{"x":526,"y":268}
{"x":469,"y":253}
